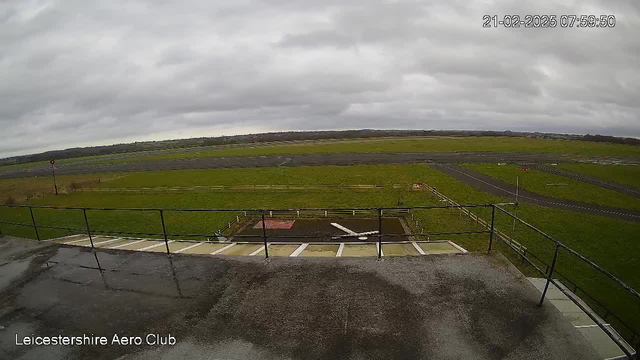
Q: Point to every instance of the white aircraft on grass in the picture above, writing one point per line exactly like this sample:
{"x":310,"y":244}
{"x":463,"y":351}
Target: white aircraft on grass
{"x":351,"y":233}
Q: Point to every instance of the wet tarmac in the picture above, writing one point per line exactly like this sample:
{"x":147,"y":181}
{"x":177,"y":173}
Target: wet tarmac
{"x":427,"y":307}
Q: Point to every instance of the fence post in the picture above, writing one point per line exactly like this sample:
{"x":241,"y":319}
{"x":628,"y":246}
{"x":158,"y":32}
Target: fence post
{"x":33,"y":221}
{"x":264,"y":237}
{"x":379,"y":233}
{"x":553,"y":265}
{"x":86,"y":223}
{"x":164,"y":232}
{"x":493,"y":218}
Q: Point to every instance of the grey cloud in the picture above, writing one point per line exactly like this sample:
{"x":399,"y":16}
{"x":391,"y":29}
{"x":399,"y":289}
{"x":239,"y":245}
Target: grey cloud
{"x":81,"y":73}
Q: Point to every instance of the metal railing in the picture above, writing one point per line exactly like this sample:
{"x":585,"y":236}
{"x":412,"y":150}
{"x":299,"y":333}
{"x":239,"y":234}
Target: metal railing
{"x":379,"y":213}
{"x":550,"y":271}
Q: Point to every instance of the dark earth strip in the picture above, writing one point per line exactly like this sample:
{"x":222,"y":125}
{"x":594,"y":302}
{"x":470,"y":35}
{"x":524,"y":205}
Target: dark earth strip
{"x":607,"y":184}
{"x":294,"y":160}
{"x":428,"y":307}
{"x":499,"y":188}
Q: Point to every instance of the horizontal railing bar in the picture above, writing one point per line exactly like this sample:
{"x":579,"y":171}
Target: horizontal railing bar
{"x":256,"y":210}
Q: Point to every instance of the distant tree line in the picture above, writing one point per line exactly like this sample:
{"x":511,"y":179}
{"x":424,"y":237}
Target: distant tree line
{"x":289,"y":136}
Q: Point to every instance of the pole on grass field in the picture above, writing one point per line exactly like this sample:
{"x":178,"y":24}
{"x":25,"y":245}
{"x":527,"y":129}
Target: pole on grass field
{"x":379,"y":233}
{"x":553,"y":266}
{"x":33,"y":221}
{"x":264,"y":237}
{"x":53,"y":170}
{"x":164,"y":232}
{"x":86,"y":222}
{"x":493,"y":218}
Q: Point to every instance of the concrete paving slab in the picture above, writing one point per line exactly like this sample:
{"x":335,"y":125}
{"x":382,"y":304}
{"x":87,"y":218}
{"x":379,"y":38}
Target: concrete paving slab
{"x":359,"y":250}
{"x":113,"y":243}
{"x":399,"y":250}
{"x":82,"y":242}
{"x":205,"y":248}
{"x":320,"y":251}
{"x":243,"y":249}
{"x":438,"y":248}
{"x":282,"y":250}
{"x":601,"y":342}
{"x":69,"y":238}
{"x":173,"y":247}
{"x":137,"y":245}
{"x":565,"y":305}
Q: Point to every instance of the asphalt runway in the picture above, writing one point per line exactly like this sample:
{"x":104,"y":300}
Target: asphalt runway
{"x":293,"y":160}
{"x":499,"y":188}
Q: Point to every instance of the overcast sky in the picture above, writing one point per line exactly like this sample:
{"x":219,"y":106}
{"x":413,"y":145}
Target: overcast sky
{"x":76,"y":73}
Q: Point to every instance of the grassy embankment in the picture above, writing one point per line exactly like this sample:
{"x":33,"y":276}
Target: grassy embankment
{"x":610,"y":243}
{"x":557,"y":186}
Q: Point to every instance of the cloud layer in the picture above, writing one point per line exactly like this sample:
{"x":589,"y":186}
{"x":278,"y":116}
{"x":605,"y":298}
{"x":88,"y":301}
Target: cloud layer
{"x":81,"y":72}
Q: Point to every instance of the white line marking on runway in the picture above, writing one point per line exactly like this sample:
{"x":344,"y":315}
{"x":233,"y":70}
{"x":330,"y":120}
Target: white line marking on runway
{"x":418,"y":248}
{"x":457,"y":247}
{"x":76,"y":241}
{"x":299,"y":250}
{"x":106,"y":242}
{"x":340,"y":250}
{"x":155,"y":246}
{"x":223,"y":249}
{"x":187,"y":248}
{"x":259,"y":250}
{"x":126,"y":244}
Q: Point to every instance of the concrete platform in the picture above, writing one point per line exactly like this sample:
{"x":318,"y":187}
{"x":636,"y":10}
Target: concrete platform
{"x":219,"y":307}
{"x":600,"y":341}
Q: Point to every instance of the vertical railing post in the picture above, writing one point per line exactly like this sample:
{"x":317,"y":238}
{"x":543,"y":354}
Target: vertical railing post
{"x":553,"y":266}
{"x":33,"y":221}
{"x":86,"y":223}
{"x":164,"y":231}
{"x":264,"y":237}
{"x":493,"y":218}
{"x":379,"y":233}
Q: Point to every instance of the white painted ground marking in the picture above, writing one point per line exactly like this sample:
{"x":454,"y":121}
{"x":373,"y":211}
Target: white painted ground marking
{"x":340,"y":249}
{"x":259,"y":250}
{"x":457,"y":247}
{"x":126,"y":244}
{"x":589,"y":326}
{"x":350,"y":232}
{"x":75,"y":241}
{"x":65,"y":237}
{"x":418,"y":248}
{"x":299,"y":250}
{"x":188,"y":247}
{"x":155,"y":245}
{"x":223,"y":249}
{"x":106,"y":242}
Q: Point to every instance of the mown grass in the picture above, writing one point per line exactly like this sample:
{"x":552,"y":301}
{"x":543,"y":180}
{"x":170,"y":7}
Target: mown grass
{"x":610,"y":243}
{"x":546,"y":184}
{"x":625,"y":174}
{"x":399,"y":145}
{"x":19,"y":190}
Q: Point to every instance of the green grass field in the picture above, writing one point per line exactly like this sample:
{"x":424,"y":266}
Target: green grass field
{"x":610,"y":243}
{"x":546,"y":184}
{"x":624,"y":174}
{"x":385,"y":145}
